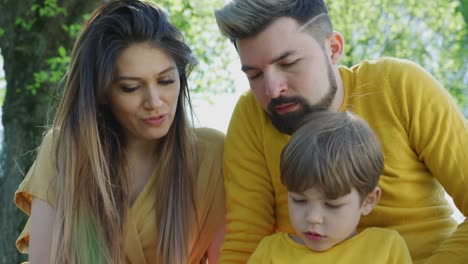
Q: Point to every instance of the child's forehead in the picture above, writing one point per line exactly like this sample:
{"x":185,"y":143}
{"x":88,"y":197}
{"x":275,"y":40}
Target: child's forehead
{"x":319,"y":193}
{"x":314,"y":191}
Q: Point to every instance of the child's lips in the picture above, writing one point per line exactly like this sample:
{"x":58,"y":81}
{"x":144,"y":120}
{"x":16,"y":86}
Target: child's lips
{"x":313,"y":236}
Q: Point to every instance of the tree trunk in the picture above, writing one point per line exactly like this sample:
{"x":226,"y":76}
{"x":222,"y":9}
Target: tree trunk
{"x":30,"y":37}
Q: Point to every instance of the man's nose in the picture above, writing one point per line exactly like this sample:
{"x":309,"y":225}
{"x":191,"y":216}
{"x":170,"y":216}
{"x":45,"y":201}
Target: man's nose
{"x":275,"y":84}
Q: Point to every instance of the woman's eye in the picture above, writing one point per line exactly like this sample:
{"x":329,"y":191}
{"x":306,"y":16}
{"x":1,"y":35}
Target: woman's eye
{"x":166,"y":82}
{"x":129,"y":89}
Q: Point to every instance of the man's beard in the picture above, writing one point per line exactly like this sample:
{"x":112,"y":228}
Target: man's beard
{"x":289,"y":122}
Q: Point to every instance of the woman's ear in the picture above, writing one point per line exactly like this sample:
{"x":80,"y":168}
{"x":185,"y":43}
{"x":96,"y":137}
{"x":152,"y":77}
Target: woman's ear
{"x":371,"y":201}
{"x":336,"y":44}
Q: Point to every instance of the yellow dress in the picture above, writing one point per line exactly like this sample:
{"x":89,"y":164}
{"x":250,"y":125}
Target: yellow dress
{"x":141,"y":226}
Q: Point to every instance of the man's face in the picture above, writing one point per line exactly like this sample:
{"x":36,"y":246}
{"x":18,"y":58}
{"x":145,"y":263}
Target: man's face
{"x":289,"y":73}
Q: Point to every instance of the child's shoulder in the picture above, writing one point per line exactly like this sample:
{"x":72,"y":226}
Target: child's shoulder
{"x":380,"y":231}
{"x":275,"y":237}
{"x":379,"y":234}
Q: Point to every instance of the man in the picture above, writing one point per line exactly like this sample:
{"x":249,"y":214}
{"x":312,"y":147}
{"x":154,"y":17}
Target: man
{"x":290,"y":54}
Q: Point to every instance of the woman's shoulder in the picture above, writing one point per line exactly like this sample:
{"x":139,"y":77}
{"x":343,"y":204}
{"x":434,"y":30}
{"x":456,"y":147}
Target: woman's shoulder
{"x":39,"y":177}
{"x":209,"y":139}
{"x":209,"y":133}
{"x":209,"y":149}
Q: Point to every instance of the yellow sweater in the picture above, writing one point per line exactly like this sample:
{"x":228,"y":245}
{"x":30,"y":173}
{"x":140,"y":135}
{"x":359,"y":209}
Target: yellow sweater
{"x":425,"y":142}
{"x":383,"y":246}
{"x":141,"y":227}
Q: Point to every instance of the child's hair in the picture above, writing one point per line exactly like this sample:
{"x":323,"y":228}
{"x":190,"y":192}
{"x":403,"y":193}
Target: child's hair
{"x":332,"y":151}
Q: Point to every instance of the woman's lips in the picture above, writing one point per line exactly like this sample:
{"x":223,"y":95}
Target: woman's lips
{"x":155,"y":121}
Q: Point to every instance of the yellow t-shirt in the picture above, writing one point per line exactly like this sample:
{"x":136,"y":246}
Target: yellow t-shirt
{"x":141,"y":226}
{"x":371,"y":246}
{"x":424,"y":137}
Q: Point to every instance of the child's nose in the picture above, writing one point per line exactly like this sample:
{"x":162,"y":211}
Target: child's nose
{"x":314,"y":216}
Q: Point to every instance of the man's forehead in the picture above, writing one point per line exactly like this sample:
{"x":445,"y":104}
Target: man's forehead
{"x":261,"y":53}
{"x":281,"y":56}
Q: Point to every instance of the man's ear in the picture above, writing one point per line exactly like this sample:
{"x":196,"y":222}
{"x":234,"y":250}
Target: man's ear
{"x":371,"y":201}
{"x":336,"y":44}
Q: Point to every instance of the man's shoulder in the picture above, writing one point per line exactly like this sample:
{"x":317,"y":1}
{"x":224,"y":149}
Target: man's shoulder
{"x":248,"y":111}
{"x":383,"y":61}
{"x":247,"y":99}
{"x":385,"y":65}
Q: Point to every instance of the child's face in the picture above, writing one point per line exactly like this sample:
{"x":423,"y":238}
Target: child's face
{"x":321,"y":223}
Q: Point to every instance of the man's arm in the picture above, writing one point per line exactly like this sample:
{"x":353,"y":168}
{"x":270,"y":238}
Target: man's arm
{"x":439,"y":133}
{"x":249,"y":193}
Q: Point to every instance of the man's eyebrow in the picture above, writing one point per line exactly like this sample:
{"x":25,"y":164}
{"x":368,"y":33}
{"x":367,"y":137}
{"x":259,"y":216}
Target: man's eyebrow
{"x":246,"y":68}
{"x":283,"y":55}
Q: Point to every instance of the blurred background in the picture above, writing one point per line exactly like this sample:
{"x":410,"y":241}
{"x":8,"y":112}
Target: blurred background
{"x":36,"y":37}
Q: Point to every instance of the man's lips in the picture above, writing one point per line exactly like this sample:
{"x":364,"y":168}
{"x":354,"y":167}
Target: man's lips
{"x":285,"y":108}
{"x":313,"y":236}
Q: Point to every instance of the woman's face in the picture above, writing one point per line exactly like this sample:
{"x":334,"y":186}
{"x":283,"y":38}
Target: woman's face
{"x":144,"y":95}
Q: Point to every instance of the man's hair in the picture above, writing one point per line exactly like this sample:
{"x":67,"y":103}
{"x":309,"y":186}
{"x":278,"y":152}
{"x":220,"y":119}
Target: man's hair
{"x":245,"y":18}
{"x":334,"y":152}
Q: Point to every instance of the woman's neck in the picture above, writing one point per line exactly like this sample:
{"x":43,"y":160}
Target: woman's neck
{"x":141,"y":160}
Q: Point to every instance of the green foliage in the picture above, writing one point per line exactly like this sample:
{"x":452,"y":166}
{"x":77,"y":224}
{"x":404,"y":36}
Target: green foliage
{"x":48,"y":8}
{"x":73,"y":29}
{"x":463,"y":8}
{"x":57,"y":68}
{"x":58,"y":65}
{"x":197,"y":23}
{"x":2,"y":32}
{"x":431,"y":33}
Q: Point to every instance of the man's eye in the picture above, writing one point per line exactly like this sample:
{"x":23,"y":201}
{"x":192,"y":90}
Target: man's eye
{"x":288,"y":64}
{"x":253,"y":76}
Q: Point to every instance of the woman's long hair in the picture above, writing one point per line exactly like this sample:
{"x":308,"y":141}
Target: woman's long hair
{"x":91,"y":181}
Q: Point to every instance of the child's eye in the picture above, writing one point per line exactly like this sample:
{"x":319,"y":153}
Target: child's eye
{"x":333,"y":206}
{"x":299,"y":201}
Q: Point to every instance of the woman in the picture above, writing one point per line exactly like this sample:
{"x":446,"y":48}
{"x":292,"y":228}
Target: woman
{"x":122,"y":177}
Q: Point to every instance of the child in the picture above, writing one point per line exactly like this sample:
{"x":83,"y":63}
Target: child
{"x":331,"y":167}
